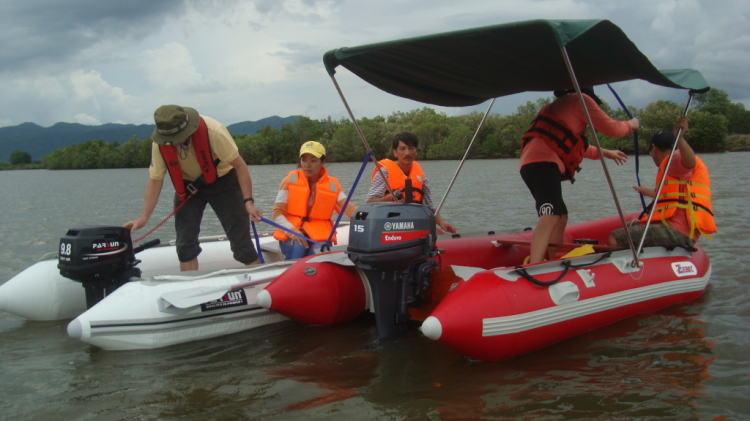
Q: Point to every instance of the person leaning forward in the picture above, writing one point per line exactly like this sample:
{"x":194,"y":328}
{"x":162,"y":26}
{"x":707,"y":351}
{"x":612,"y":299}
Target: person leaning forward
{"x":684,"y":206}
{"x":552,"y":149}
{"x":405,"y":167}
{"x":205,"y":167}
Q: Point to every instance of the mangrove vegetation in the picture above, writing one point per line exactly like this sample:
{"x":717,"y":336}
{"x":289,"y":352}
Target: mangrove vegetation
{"x":713,"y":118}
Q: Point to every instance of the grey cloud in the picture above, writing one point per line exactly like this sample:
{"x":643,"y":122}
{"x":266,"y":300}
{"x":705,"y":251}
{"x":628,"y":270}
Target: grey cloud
{"x":302,"y":55}
{"x":40,"y":33}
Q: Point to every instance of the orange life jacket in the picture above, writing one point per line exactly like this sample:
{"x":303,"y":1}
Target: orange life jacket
{"x":397,"y":178}
{"x":566,"y":144}
{"x":315,"y":221}
{"x":199,"y":143}
{"x":693,"y":195}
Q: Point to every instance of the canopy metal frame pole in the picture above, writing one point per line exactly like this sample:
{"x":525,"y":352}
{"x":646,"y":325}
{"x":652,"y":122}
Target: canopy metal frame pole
{"x":664,"y":175}
{"x":573,"y":78}
{"x":362,"y":136}
{"x":466,"y":154}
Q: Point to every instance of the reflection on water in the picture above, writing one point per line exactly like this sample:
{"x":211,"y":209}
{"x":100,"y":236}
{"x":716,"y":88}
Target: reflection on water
{"x":687,"y":362}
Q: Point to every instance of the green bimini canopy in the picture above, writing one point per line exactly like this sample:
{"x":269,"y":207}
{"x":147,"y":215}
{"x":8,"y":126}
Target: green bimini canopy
{"x":468,"y":67}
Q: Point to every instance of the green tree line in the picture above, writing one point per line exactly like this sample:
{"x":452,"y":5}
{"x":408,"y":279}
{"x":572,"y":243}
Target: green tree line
{"x":713,"y":117}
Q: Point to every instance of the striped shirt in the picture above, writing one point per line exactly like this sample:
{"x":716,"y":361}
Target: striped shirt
{"x":378,"y":187}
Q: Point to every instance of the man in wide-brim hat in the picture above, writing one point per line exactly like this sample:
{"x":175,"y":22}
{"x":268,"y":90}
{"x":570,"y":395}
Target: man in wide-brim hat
{"x":205,"y":166}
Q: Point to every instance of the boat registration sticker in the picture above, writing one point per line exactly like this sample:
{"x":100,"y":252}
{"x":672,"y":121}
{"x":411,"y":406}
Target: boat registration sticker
{"x":398,"y":236}
{"x":684,"y":269}
{"x":232,"y":298}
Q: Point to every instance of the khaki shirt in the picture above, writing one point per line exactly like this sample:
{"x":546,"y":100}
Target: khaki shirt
{"x":222,"y":148}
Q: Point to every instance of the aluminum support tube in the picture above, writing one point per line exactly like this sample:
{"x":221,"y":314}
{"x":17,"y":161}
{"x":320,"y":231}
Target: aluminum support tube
{"x":601,"y":154}
{"x":466,"y":154}
{"x":362,"y":136}
{"x":663,"y":176}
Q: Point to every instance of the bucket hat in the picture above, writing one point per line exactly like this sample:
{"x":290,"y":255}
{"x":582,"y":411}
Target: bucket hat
{"x":174,"y":124}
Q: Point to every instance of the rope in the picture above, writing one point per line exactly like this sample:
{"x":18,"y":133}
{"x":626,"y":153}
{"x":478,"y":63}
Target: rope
{"x":567,"y":264}
{"x":274,"y":224}
{"x":635,"y":140}
{"x":162,"y":222}
{"x":346,"y":203}
{"x":257,"y":243}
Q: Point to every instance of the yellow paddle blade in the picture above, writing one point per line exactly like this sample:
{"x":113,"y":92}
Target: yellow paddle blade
{"x":580,"y":251}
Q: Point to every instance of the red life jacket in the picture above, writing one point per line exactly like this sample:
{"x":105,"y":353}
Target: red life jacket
{"x":202,"y":148}
{"x":566,"y":144}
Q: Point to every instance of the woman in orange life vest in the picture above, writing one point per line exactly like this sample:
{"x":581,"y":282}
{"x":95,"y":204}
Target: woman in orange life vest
{"x":305,"y":203}
{"x":551,"y":151}
{"x":405,"y":146}
{"x":684,"y":208}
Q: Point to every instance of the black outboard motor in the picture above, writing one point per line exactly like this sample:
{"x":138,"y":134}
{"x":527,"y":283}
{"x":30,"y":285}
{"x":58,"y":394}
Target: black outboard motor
{"x":100,"y":257}
{"x":391,"y":243}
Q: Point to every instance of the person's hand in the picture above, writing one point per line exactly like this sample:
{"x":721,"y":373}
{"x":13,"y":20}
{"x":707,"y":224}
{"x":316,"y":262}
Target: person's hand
{"x":255,"y":213}
{"x":616,"y":155}
{"x":682,"y":123}
{"x":448,"y":227}
{"x":634,"y":124}
{"x":397,"y":193}
{"x":646,"y":191}
{"x":299,"y":240}
{"x":135,"y":224}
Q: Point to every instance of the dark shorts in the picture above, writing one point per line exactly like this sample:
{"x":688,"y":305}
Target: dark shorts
{"x":658,"y":235}
{"x":225,"y":198}
{"x":544,"y":181}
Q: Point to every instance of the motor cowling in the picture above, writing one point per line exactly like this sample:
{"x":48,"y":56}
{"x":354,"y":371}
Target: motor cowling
{"x":100,"y":257}
{"x":390,"y":236}
{"x":391,"y":243}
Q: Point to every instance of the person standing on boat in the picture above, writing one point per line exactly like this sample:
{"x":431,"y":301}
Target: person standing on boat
{"x":551,"y":151}
{"x":684,"y":205}
{"x":405,"y":167}
{"x":205,"y":166}
{"x":307,"y":198}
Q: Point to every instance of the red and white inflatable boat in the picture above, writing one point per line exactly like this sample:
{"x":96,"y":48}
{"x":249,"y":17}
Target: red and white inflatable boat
{"x":497,"y":313}
{"x":474,"y":293}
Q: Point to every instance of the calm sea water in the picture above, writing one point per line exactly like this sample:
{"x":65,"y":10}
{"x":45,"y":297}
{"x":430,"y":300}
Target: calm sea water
{"x":687,"y":362}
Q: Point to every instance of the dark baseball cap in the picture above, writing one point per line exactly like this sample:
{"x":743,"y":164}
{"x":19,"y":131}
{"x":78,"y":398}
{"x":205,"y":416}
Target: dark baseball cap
{"x":663,"y":139}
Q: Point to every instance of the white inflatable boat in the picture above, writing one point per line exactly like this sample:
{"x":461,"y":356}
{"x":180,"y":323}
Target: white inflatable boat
{"x":163,"y":306}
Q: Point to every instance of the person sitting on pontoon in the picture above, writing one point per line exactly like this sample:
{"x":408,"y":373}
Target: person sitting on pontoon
{"x":684,"y":205}
{"x":307,"y":198}
{"x":405,"y":167}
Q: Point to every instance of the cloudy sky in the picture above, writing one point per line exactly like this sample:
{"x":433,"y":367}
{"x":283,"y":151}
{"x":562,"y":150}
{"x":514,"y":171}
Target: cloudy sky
{"x":115,"y":61}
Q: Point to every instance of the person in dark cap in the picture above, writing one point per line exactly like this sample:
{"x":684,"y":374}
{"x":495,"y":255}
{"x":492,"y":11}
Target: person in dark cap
{"x":205,"y":166}
{"x":684,"y":207}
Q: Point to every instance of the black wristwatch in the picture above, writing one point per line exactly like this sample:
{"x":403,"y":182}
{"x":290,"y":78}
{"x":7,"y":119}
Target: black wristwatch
{"x":250,"y":199}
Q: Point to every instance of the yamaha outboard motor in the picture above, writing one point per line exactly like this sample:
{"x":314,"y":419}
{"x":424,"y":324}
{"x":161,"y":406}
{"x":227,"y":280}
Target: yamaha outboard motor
{"x":100,"y":257}
{"x":391,"y":243}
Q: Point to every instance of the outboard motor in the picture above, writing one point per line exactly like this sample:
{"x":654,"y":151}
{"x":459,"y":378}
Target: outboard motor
{"x":391,"y":243}
{"x":100,"y":257}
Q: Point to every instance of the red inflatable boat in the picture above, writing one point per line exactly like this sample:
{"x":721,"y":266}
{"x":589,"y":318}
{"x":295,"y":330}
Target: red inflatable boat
{"x":502,"y":312}
{"x":474,"y":293}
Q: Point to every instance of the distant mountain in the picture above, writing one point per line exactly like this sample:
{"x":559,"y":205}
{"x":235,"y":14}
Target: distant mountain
{"x":250,"y":127}
{"x":39,"y":141}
